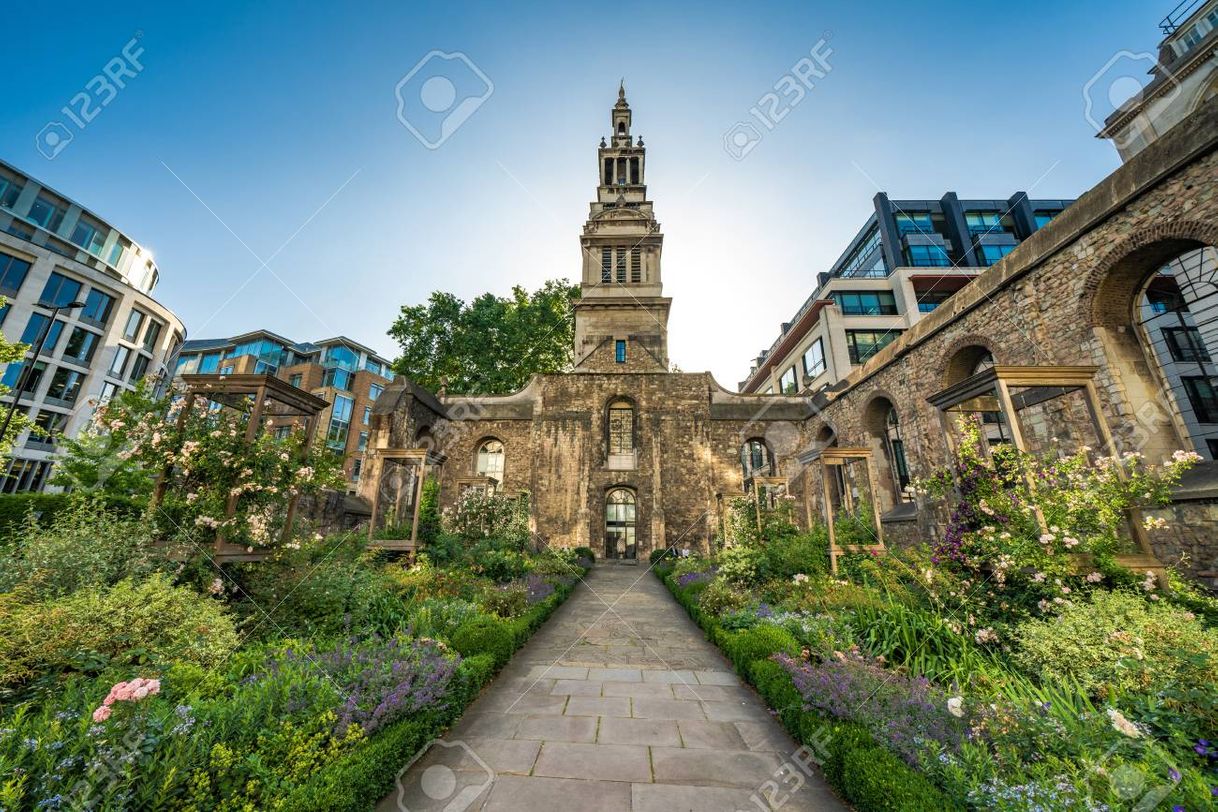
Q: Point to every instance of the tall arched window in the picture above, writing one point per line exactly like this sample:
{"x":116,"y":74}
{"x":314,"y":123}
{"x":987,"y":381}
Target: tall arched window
{"x":490,"y":459}
{"x":619,"y":524}
{"x":621,"y":427}
{"x":755,"y":459}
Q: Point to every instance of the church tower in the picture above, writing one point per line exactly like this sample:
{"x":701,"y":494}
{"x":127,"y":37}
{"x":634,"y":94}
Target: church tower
{"x":621,"y":318}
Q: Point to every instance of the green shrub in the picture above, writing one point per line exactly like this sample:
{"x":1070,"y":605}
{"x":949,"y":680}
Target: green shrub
{"x":875,"y":779}
{"x":758,"y":643}
{"x":719,"y":596}
{"x":662,"y":554}
{"x":806,"y":553}
{"x":85,"y":543}
{"x":485,"y":635}
{"x":505,"y":600}
{"x":1117,"y":642}
{"x":15,"y":509}
{"x":585,"y":552}
{"x":95,"y":628}
{"x":741,"y":564}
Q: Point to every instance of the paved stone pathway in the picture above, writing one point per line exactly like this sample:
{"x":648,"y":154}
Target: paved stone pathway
{"x":628,"y":708}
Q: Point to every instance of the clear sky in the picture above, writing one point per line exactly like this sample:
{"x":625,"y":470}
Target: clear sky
{"x":281,"y":118}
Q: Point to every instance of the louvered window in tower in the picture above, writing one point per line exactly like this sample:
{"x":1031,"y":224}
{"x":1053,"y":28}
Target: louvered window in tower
{"x":621,"y":428}
{"x":621,"y":265}
{"x":606,"y":266}
{"x":636,"y":265}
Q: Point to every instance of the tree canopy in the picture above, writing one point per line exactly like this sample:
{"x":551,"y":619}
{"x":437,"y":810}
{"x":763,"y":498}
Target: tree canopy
{"x":492,"y":345}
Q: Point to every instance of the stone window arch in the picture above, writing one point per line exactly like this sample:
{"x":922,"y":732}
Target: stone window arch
{"x":1154,"y":308}
{"x":756,"y":459}
{"x":490,"y":459}
{"x":620,"y":427}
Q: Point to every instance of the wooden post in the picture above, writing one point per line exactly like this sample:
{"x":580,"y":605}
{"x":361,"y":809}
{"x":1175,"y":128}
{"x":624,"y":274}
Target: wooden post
{"x":418,"y":500}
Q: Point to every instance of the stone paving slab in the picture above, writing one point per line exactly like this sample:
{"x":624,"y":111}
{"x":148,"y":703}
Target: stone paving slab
{"x":608,"y":709}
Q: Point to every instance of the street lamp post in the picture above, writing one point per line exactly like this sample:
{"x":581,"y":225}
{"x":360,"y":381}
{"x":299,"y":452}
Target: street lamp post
{"x":25,"y":368}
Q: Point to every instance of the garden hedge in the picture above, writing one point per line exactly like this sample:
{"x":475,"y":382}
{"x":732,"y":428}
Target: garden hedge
{"x":362,"y":777}
{"x":865,"y":772}
{"x":15,"y":507}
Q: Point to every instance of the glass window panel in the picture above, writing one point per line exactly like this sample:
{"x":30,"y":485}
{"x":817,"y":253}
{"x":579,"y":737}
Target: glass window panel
{"x":98,"y":306}
{"x":490,"y":460}
{"x":12,"y":274}
{"x":59,"y":291}
{"x":814,"y":359}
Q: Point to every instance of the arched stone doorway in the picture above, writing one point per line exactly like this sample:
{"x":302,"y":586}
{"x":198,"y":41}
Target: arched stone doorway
{"x":620,"y":518}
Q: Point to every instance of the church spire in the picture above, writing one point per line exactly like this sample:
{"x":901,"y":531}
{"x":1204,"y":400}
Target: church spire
{"x":620,"y":118}
{"x":621,"y":93}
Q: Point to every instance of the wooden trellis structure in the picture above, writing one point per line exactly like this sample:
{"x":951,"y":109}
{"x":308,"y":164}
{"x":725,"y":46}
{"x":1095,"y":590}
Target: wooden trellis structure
{"x":398,"y":476}
{"x":838,"y":474}
{"x":260,"y":396}
{"x":1010,"y":389}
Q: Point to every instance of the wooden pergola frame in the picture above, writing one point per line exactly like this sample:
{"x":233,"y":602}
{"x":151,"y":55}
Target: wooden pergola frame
{"x":990,"y":391}
{"x":424,"y":459}
{"x":756,"y":484}
{"x":830,"y":458}
{"x":263,"y":395}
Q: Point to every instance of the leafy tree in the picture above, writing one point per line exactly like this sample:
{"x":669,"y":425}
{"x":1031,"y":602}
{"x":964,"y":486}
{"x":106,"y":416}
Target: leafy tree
{"x":11,"y":354}
{"x":101,"y":457}
{"x":492,"y":345}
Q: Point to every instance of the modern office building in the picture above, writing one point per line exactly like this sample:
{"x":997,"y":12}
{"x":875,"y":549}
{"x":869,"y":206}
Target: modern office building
{"x":348,"y":375}
{"x":54,"y":252}
{"x":1183,"y":78}
{"x":907,"y":259}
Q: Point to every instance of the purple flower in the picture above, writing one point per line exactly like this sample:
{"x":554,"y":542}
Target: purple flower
{"x":1173,"y":774}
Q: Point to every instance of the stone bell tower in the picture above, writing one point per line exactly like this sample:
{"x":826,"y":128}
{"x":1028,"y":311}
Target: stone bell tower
{"x":621,"y":318}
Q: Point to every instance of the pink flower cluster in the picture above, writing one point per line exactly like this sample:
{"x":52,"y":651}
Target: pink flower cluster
{"x":132,"y":691}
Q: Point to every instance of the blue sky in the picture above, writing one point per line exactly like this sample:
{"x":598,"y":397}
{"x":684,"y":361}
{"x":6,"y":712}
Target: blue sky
{"x":281,"y":118}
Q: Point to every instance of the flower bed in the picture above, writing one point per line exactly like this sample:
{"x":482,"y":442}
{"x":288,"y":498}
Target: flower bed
{"x":986,"y":671}
{"x":302,"y":682}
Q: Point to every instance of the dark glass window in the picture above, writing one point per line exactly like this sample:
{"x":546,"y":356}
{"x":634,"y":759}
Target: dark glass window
{"x":814,"y":359}
{"x":1162,"y":300}
{"x":46,"y":214}
{"x":862,"y":344}
{"x":1043,"y":217}
{"x":1185,"y":344}
{"x":917,"y":222}
{"x":33,"y":331}
{"x":13,"y":372}
{"x":991,"y":254}
{"x":619,"y":351}
{"x":10,"y":190}
{"x":928,"y":300}
{"x":134,"y":319}
{"x":340,"y":423}
{"x":81,"y":346}
{"x":209,"y":363}
{"x":789,"y":383}
{"x":296,"y":379}
{"x":861,"y":262}
{"x":140,"y":368}
{"x":59,"y":291}
{"x":152,"y":335}
{"x":119,"y":365}
{"x":65,"y":385}
{"x":12,"y":274}
{"x":374,"y":391}
{"x":926,"y":256}
{"x":97,"y":309}
{"x":1202,"y":397}
{"x":866,"y":303}
{"x":89,"y":236}
{"x":984,"y":222}
{"x":337,"y":378}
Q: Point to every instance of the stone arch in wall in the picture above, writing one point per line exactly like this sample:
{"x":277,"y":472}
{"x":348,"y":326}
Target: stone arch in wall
{"x":881,"y":426}
{"x":1147,"y":390}
{"x":490,"y":457}
{"x":966,"y":357}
